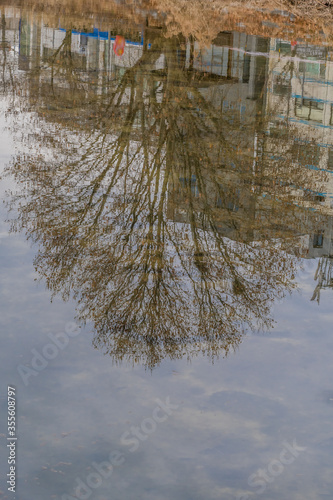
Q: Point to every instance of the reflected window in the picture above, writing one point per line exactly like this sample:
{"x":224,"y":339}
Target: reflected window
{"x":283,"y":47}
{"x":132,"y":35}
{"x":330,"y":159}
{"x":246,"y":68}
{"x":83,"y":44}
{"x":192,"y":182}
{"x":281,"y":85}
{"x":312,"y":69}
{"x":318,"y":240}
{"x":313,"y":196}
{"x":309,"y":109}
{"x":228,"y":198}
{"x":279,"y":132}
{"x":306,"y":153}
{"x":194,"y":186}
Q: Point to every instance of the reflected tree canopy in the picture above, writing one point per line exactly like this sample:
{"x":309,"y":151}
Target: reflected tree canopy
{"x":144,"y":194}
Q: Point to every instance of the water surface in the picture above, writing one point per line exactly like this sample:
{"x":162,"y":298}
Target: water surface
{"x":167,"y":218}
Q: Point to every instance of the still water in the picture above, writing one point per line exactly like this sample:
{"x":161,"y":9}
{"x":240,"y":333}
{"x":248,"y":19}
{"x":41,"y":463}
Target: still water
{"x":166,"y":262}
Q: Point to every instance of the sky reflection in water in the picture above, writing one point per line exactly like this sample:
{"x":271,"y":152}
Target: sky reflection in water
{"x":180,"y":200}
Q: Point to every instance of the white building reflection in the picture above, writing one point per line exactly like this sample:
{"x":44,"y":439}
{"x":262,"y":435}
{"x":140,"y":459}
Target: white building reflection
{"x":288,"y":85}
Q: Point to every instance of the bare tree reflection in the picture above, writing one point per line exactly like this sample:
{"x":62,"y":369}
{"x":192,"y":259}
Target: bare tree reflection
{"x":147,"y":215}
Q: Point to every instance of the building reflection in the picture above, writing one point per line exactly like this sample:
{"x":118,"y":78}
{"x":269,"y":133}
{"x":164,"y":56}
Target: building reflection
{"x":197,"y":179}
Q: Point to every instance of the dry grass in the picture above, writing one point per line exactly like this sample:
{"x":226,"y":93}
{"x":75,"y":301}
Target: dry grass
{"x":312,"y":19}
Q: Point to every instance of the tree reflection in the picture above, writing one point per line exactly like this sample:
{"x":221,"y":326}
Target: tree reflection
{"x":148,"y":214}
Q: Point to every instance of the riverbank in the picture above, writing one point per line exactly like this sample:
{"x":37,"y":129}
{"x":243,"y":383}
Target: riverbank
{"x":310,"y":21}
